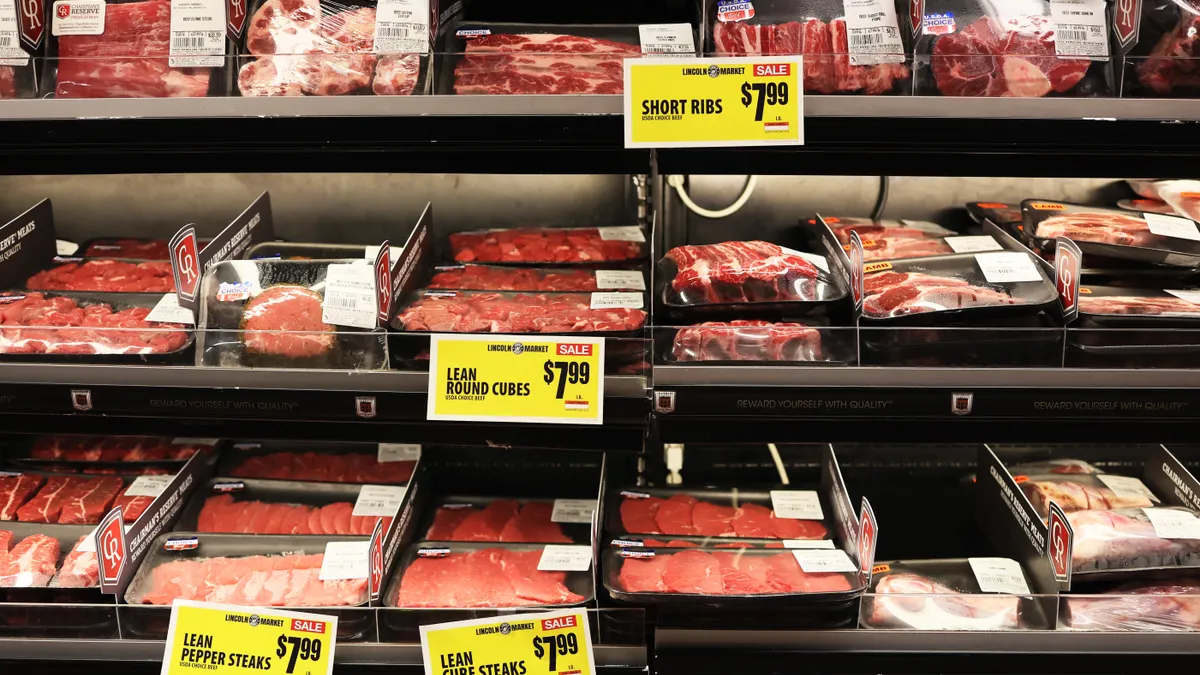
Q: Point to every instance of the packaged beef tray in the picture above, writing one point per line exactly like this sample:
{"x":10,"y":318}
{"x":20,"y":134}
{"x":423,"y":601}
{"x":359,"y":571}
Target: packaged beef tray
{"x":332,"y":48}
{"x":711,"y":513}
{"x":1150,"y":605}
{"x":458,"y":575}
{"x":492,"y":519}
{"x":754,"y":341}
{"x":848,"y":48}
{"x":1150,"y":238}
{"x":611,"y":314}
{"x":89,"y":328}
{"x":257,"y":506}
{"x":953,"y":594}
{"x":1123,"y":327}
{"x":903,"y":239}
{"x":106,"y":275}
{"x":72,"y":499}
{"x":1085,"y":492}
{"x":42,"y":562}
{"x":1181,"y":196}
{"x":968,"y":48}
{"x":128,"y":248}
{"x":1158,"y":40}
{"x":514,"y":58}
{"x":299,"y":250}
{"x":472,"y":277}
{"x":314,"y":462}
{"x":134,"y":55}
{"x":272,"y":313}
{"x":108,"y":454}
{"x":1128,"y":542}
{"x":641,"y":541}
{"x":550,"y":246}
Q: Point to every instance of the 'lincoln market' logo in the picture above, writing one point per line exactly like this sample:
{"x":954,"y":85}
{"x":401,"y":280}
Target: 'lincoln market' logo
{"x":574,"y":350}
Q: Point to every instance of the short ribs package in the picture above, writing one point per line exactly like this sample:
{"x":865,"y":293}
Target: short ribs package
{"x":1151,"y":238}
{"x":1050,"y":48}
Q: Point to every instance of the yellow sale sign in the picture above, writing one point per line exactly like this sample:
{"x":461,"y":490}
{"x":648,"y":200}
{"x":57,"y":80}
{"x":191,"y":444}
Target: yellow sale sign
{"x":550,"y":643}
{"x":228,"y":640}
{"x":501,"y":378}
{"x":714,"y":102}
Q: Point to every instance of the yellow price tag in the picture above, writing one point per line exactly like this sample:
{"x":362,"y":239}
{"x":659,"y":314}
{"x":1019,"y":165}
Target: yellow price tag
{"x":499,"y":378}
{"x":697,"y":103}
{"x":551,"y":643}
{"x":229,"y":639}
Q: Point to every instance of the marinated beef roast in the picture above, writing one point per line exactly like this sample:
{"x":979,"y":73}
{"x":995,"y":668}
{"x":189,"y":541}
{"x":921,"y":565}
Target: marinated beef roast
{"x":723,"y":573}
{"x":747,"y":340}
{"x":1103,"y":227}
{"x":221,"y":513}
{"x":685,"y":515}
{"x":916,"y":601}
{"x":256,"y":581}
{"x":741,"y":271}
{"x":327,"y":467}
{"x":490,"y":577}
{"x":544,"y":245}
{"x":503,"y":520}
{"x":35,"y":324}
{"x":115,"y":276}
{"x":890,"y":294}
{"x":484,"y":312}
{"x":286,"y":321}
{"x":1014,"y":58}
{"x":542,"y":63}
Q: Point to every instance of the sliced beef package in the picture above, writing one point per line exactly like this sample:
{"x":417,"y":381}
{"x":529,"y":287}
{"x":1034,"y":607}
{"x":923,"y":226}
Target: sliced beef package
{"x":456,"y":575}
{"x":550,"y":246}
{"x":851,"y":47}
{"x":754,"y":341}
{"x":491,"y":519}
{"x":105,"y":275}
{"x":1150,"y":605}
{"x":89,"y":328}
{"x":1114,"y":543}
{"x":641,"y":541}
{"x":133,"y":56}
{"x":332,"y":48}
{"x":38,"y":562}
{"x":948,"y":595}
{"x":309,"y":461}
{"x":515,"y":58}
{"x":256,"y":506}
{"x":1135,"y":327}
{"x":260,"y":313}
{"x":708,"y":513}
{"x":107,"y":454}
{"x":472,"y":277}
{"x":968,"y":48}
{"x":71,"y":499}
{"x":1158,"y":41}
{"x":1150,"y":238}
{"x":1084,"y":492}
{"x":603,"y":313}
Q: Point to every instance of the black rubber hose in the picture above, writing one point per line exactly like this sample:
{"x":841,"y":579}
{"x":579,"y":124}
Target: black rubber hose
{"x":881,"y":201}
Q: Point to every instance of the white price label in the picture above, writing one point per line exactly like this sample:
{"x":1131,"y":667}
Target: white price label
{"x":379,"y":500}
{"x":808,"y":543}
{"x":11,"y":53}
{"x":1172,"y":226}
{"x":197,"y":34}
{"x":999,"y":575}
{"x":667,"y":39}
{"x":1187,"y":296}
{"x":77,"y":17}
{"x":349,"y":296}
{"x":573,"y":510}
{"x":402,"y":27}
{"x":973,"y":244}
{"x":797,"y":504}
{"x":1127,"y":486}
{"x":814,"y":561}
{"x":167,"y":310}
{"x":563,"y":558}
{"x":148,"y":486}
{"x":873,"y":32}
{"x":818,"y":260}
{"x":399,"y":452}
{"x":62,"y":246}
{"x":1080,"y":29}
{"x":620,"y":279}
{"x":1000,"y":268}
{"x":1174,"y":524}
{"x":617,"y":300}
{"x":345,"y":560}
{"x":627,"y":233}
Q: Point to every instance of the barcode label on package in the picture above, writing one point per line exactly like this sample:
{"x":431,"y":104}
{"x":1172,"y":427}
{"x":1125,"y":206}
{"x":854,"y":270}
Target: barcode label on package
{"x":1187,"y":296}
{"x":620,"y":279}
{"x":345,"y":560}
{"x":1007,"y":268}
{"x":1127,"y":486}
{"x":402,"y":27}
{"x":624,"y":233}
{"x":77,"y":17}
{"x":1079,"y":29}
{"x":818,"y":560}
{"x":399,"y":452}
{"x":378,"y":500}
{"x":1172,"y":226}
{"x":667,"y":39}
{"x":168,"y":311}
{"x":1174,"y":524}
{"x":873,"y":32}
{"x":11,"y":53}
{"x":197,"y":34}
{"x":999,"y":575}
{"x":148,"y":486}
{"x":808,"y":543}
{"x":573,"y":510}
{"x":349,"y":296}
{"x":564,"y":558}
{"x":973,"y":244}
{"x":617,"y":301}
{"x":797,"y":504}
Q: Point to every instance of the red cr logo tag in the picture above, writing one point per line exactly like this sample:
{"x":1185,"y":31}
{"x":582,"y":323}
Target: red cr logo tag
{"x":187,"y":266}
{"x":112,"y":551}
{"x":376,"y":565}
{"x":1058,"y":546}
{"x":64,"y":11}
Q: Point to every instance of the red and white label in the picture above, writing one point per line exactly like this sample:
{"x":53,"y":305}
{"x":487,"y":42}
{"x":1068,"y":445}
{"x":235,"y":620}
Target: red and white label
{"x":1067,"y":261}
{"x":185,"y":263}
{"x":383,"y":283}
{"x":772,"y":70}
{"x":573,"y":349}
{"x":1061,"y":541}
{"x":78,"y":17}
{"x":868,"y":534}
{"x":375,"y":578}
{"x":32,"y":22}
{"x":308,"y":626}
{"x":559,"y":623}
{"x":110,"y":546}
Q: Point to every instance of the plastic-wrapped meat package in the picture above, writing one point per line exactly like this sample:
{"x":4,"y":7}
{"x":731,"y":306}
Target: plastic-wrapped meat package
{"x":496,"y":278}
{"x":1147,"y":303}
{"x":1115,"y":233}
{"x":549,"y":245}
{"x":920,"y":602}
{"x":868,"y":228}
{"x":1078,"y":493}
{"x":496,"y":312}
{"x":30,"y":563}
{"x":541,"y":63}
{"x":1055,"y":466}
{"x":129,"y":60}
{"x":224,"y":514}
{"x":323,"y":466}
{"x":1172,"y":605}
{"x":743,"y":572}
{"x":504,"y":520}
{"x":1165,"y":58}
{"x":1183,"y":196}
{"x":8,"y":82}
{"x":747,"y":340}
{"x":893,"y":294}
{"x":256,"y":581}
{"x":741,"y":272}
{"x":80,"y":569}
{"x":685,"y":515}
{"x":480,"y":578}
{"x":32,"y":323}
{"x":1127,"y":539}
{"x":104,"y":275}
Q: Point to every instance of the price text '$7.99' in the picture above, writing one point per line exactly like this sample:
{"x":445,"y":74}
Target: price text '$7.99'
{"x":562,"y":644}
{"x":568,"y":371}
{"x":766,"y":93}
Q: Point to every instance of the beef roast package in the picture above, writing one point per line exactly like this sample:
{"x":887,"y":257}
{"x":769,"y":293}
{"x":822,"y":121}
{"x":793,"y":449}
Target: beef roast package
{"x":105,"y":454}
{"x":336,"y":47}
{"x":754,"y":341}
{"x":1149,"y":605}
{"x":849,"y":47}
{"x":1084,"y":492}
{"x":1158,"y":42}
{"x":314,"y":461}
{"x":716,"y":513}
{"x":610,"y":314}
{"x":18,"y":78}
{"x":550,"y":246}
{"x":1150,"y":238}
{"x":473,"y":277}
{"x":135,"y":49}
{"x":1051,"y":48}
{"x":1120,"y":327}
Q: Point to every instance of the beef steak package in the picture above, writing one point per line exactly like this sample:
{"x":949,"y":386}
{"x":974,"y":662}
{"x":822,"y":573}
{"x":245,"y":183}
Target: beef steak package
{"x":754,"y":341}
{"x":1121,"y":327}
{"x":1158,"y":41}
{"x":492,"y":519}
{"x":1051,"y":48}
{"x":849,"y":47}
{"x":42,"y":562}
{"x":135,"y":49}
{"x":712,"y":513}
{"x":106,"y":454}
{"x":282,"y":313}
{"x":904,"y":239}
{"x":1149,"y":605}
{"x":332,"y":47}
{"x":1085,"y":492}
{"x":18,"y":77}
{"x":74,"y":499}
{"x":1148,"y":238}
{"x":472,"y":277}
{"x":127,"y":248}
{"x":608,"y":314}
{"x":642,"y":541}
{"x":515,"y":58}
{"x":550,"y":246}
{"x":954,"y":594}
{"x":310,"y":461}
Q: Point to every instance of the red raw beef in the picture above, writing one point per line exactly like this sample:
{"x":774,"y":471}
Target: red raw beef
{"x":744,"y":575}
{"x":753,"y":521}
{"x":542,"y":63}
{"x":396,"y":75}
{"x":105,"y":275}
{"x":1014,"y":59}
{"x":15,"y":491}
{"x":488,"y":278}
{"x":331,"y":468}
{"x":533,"y":524}
{"x":222,"y":514}
{"x":724,"y":573}
{"x":747,"y":340}
{"x":445,"y":522}
{"x":741,"y":271}
{"x":484,"y":312}
{"x":112,"y":448}
{"x":693,"y":572}
{"x":31,"y":323}
{"x":8,"y":82}
{"x":487,"y":524}
{"x":490,"y":577}
{"x":891,"y":294}
{"x":710,"y":520}
{"x":6,"y":537}
{"x":674,"y":543}
{"x":1105,"y":227}
{"x":80,"y":569}
{"x":541,"y":245}
{"x":286,"y":321}
{"x":280,"y":581}
{"x":640,"y":515}
{"x":129,"y":60}
{"x":675,"y":515}
{"x":90,"y":500}
{"x":643,"y":575}
{"x":31,"y":563}
{"x":790,"y":528}
{"x":1172,"y":61}
{"x":47,"y":504}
